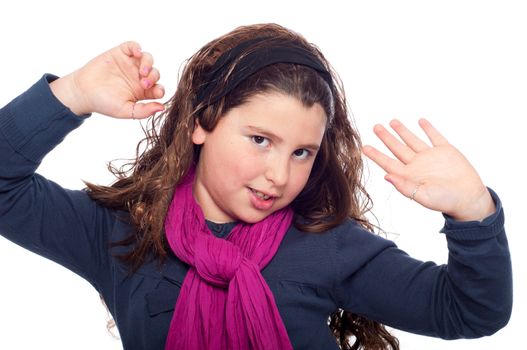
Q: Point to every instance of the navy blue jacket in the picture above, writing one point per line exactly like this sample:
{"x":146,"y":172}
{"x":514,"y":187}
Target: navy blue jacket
{"x":311,"y":275}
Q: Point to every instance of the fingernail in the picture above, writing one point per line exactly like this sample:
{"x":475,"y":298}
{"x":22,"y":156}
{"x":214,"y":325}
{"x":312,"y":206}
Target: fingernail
{"x":146,"y":70}
{"x":147,"y":83}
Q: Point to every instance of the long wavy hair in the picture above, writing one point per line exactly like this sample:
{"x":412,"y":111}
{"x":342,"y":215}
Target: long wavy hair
{"x":333,"y":193}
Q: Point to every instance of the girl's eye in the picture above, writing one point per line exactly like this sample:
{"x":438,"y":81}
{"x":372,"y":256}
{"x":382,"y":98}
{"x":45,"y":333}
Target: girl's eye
{"x":260,"y":141}
{"x":301,"y":153}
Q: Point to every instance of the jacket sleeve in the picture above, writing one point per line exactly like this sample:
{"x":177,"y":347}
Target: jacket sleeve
{"x":63,"y":225}
{"x":469,"y":297}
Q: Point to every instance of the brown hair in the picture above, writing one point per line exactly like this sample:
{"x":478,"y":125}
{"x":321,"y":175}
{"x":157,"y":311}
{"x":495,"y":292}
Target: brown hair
{"x":333,"y":193}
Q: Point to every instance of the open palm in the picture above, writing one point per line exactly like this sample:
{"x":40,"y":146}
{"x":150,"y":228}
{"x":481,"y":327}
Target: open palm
{"x":436,"y":176}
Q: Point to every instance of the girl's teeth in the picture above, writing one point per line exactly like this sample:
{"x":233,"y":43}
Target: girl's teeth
{"x":261,"y":195}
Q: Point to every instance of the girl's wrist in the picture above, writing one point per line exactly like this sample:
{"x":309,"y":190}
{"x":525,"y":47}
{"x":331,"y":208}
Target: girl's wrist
{"x":66,"y":90}
{"x":476,"y":210}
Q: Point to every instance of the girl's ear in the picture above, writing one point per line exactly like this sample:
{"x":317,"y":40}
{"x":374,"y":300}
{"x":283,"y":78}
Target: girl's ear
{"x":199,"y":134}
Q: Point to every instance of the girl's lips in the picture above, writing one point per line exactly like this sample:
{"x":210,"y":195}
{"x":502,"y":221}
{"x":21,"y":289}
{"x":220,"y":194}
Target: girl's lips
{"x":260,"y":200}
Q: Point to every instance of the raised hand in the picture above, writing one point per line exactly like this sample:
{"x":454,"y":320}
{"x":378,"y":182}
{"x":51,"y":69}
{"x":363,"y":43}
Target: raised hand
{"x":112,"y":84}
{"x":438,"y":177}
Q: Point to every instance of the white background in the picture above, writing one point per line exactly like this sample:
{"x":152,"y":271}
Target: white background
{"x":461,"y":64}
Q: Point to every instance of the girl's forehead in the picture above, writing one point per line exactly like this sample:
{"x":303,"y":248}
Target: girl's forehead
{"x":278,"y":104}
{"x":280,"y":114}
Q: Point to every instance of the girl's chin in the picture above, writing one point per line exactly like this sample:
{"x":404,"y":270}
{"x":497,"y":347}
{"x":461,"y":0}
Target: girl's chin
{"x":254,"y":217}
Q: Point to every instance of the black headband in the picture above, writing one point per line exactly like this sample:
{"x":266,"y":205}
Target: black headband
{"x":253,"y":62}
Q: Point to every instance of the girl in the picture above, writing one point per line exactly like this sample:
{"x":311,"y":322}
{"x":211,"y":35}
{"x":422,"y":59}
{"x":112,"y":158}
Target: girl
{"x":242,"y":223}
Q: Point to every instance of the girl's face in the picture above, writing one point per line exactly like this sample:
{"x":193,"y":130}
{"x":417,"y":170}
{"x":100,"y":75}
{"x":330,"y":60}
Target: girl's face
{"x":258,"y":158}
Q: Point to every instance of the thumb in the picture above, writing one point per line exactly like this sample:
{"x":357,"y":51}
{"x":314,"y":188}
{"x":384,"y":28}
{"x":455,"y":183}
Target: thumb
{"x":143,"y":110}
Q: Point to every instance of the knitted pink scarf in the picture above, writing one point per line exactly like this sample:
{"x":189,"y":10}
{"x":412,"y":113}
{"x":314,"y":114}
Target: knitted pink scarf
{"x":224,"y":302}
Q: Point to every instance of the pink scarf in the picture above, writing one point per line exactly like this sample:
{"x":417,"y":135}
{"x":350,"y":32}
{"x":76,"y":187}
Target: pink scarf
{"x":224,"y":302}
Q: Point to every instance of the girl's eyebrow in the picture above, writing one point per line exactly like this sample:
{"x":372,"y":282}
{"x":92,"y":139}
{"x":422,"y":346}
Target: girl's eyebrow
{"x":264,"y":132}
{"x":314,"y":147}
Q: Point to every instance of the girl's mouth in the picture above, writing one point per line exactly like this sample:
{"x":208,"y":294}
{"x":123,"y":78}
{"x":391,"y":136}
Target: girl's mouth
{"x":260,"y":200}
{"x":260,"y":195}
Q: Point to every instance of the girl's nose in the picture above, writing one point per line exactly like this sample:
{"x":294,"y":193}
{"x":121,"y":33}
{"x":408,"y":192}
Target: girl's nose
{"x":278,"y":171}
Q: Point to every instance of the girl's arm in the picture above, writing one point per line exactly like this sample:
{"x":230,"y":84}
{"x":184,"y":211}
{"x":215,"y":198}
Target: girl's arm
{"x":469,"y":297}
{"x":63,"y":225}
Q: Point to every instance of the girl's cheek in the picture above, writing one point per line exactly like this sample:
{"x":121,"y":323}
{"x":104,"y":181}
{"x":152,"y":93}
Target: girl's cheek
{"x":246,"y":163}
{"x":301,"y":179}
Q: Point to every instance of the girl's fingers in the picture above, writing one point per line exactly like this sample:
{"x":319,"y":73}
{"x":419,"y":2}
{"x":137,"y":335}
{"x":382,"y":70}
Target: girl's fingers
{"x":407,"y":188}
{"x":156,"y":92}
{"x":150,"y":80}
{"x":435,"y":137}
{"x":386,"y":163}
{"x":131,"y":49}
{"x":147,"y":60}
{"x":154,"y":75}
{"x":414,"y":142}
{"x":142,"y":110}
{"x":400,"y":150}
